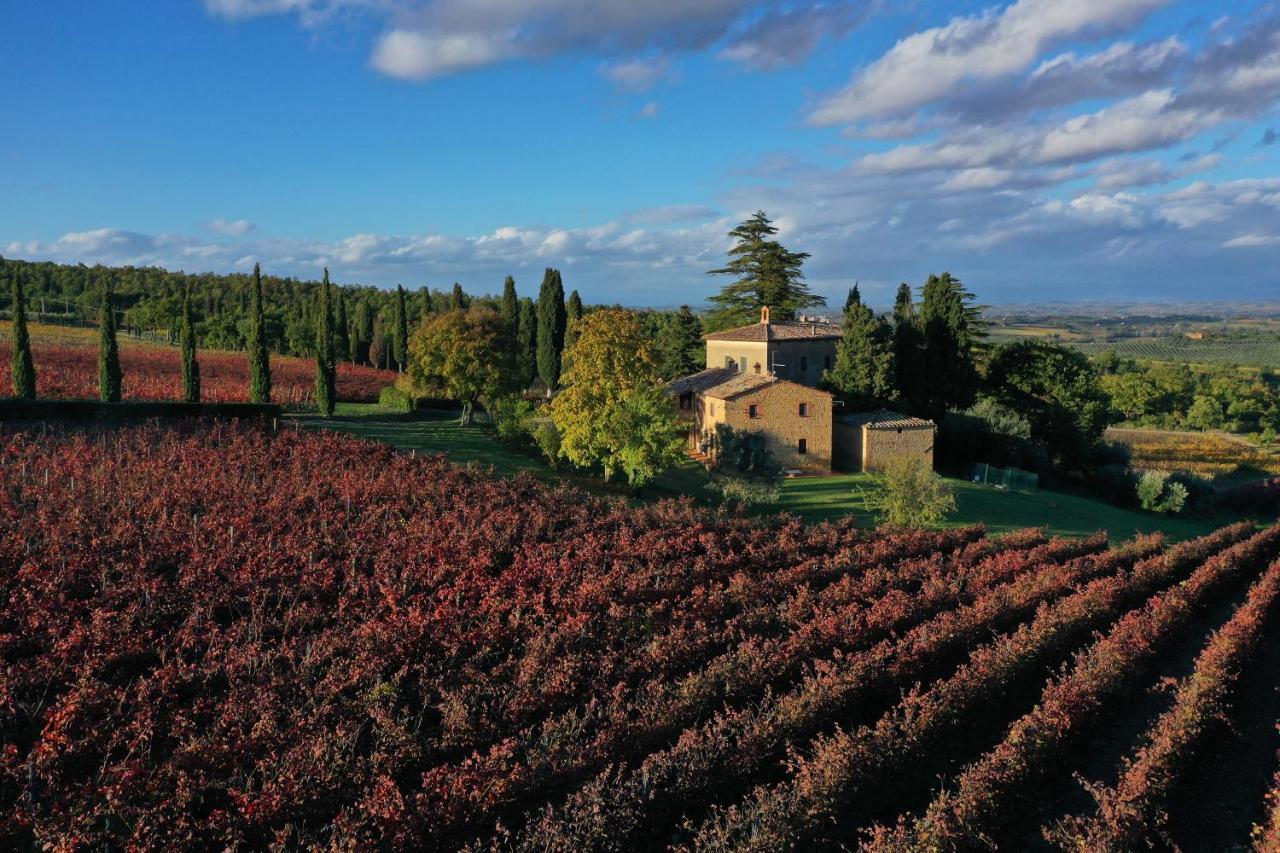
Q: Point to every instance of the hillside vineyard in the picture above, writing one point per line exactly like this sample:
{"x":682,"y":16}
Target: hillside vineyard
{"x":222,"y":637}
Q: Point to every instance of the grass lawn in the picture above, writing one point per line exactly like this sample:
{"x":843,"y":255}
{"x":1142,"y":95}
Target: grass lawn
{"x":818,"y":498}
{"x":812,"y":498}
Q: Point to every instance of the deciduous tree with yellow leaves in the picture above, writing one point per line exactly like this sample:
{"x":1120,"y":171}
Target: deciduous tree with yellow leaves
{"x":613,"y":410}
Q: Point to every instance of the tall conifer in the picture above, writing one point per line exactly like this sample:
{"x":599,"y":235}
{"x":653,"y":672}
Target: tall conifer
{"x":341,"y":330}
{"x":24,"y":368}
{"x":259,"y":359}
{"x":400,"y":331}
{"x":190,"y":367}
{"x":110,"y":378}
{"x":551,"y":326}
{"x":527,"y":343}
{"x":573,"y":313}
{"x":458,"y":299}
{"x":326,"y":370}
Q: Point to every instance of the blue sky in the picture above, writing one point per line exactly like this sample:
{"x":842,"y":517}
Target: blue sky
{"x":1041,"y":149}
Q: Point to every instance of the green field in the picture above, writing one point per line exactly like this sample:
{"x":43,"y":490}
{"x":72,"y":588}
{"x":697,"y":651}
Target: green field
{"x":1253,"y":351}
{"x":811,"y":498}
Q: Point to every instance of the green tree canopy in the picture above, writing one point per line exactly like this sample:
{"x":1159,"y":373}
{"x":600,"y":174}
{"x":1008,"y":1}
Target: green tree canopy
{"x":909,"y":372}
{"x":24,"y":368}
{"x":110,"y":378}
{"x":952,"y":329}
{"x":614,"y":410}
{"x":863,"y":372}
{"x":400,"y":331}
{"x":259,"y":359}
{"x":679,"y":347}
{"x":190,"y":366}
{"x":326,"y":369}
{"x":526,"y":343}
{"x":462,"y":354}
{"x":766,"y":273}
{"x":552,"y":320}
{"x":1057,"y":390}
{"x":573,"y":313}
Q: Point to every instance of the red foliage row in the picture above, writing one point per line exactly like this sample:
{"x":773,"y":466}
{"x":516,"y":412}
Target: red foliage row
{"x":215,"y":636}
{"x":737,"y":744}
{"x":1103,"y":673}
{"x":1266,"y":838}
{"x":155,"y":373}
{"x":1131,"y":813}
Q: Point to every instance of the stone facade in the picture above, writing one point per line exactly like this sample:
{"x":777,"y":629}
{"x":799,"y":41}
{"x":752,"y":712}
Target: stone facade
{"x":798,"y":351}
{"x":794,"y":419}
{"x":866,"y":442}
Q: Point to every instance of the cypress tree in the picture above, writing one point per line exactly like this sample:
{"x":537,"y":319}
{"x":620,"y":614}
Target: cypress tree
{"x":110,"y":378}
{"x":951,"y":327}
{"x":341,"y":334}
{"x":24,"y":368}
{"x":863,"y":372}
{"x":400,"y":331}
{"x":551,"y":326}
{"x":378,"y":344}
{"x":573,"y":313}
{"x":527,"y":342}
{"x":458,"y":299}
{"x":361,"y":332}
{"x":259,"y":360}
{"x":908,"y":368}
{"x":190,"y":367}
{"x":510,"y":313}
{"x":510,"y":305}
{"x":325,"y":369}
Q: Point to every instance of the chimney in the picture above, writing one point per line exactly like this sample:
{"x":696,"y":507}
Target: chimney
{"x":764,"y":314}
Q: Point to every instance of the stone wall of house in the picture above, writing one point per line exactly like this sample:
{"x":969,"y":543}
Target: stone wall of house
{"x":803,"y":360}
{"x":778,"y":418}
{"x":737,"y":354}
{"x":881,"y":445}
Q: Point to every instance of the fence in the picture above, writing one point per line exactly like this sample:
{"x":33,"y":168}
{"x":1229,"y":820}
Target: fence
{"x":1013,"y":479}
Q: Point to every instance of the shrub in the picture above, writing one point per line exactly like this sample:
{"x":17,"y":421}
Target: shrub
{"x":547,"y":438}
{"x":513,"y":419}
{"x":743,"y":467}
{"x":1158,"y":493}
{"x":911,"y":494}
{"x":397,"y":398}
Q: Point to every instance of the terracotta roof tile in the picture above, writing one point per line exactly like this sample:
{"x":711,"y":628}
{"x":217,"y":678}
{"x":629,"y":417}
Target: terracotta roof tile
{"x":885,"y":419}
{"x":789,"y":331}
{"x":725,"y":383}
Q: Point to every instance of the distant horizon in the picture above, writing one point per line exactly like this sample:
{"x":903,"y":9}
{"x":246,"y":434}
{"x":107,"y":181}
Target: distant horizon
{"x":1036,"y":149}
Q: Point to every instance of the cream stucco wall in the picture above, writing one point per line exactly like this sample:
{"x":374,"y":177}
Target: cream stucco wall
{"x":743,"y":355}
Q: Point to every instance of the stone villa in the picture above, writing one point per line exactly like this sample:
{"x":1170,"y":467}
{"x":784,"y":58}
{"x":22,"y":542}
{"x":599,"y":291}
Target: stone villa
{"x":764,"y":378}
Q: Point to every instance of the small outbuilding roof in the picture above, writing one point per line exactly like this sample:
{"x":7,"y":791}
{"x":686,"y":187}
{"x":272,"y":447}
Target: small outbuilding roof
{"x":725,"y":383}
{"x":885,"y":419}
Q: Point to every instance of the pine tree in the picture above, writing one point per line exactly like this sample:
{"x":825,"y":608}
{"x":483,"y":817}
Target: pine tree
{"x":341,"y":333}
{"x":527,"y":342}
{"x":767,"y":274}
{"x":400,"y":331}
{"x":457,"y":299}
{"x":863,"y":372}
{"x":326,"y":370}
{"x":679,"y":346}
{"x":259,"y":359}
{"x":24,"y":368}
{"x":573,"y":313}
{"x":187,"y":342}
{"x":551,"y":327}
{"x":110,"y":378}
{"x":951,"y":327}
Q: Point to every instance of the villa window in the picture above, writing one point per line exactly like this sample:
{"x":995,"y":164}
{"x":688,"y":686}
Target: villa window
{"x":742,"y":364}
{"x":757,"y":368}
{"x":804,"y":410}
{"x":686,"y":401}
{"x":804,"y":447}
{"x":753,"y":411}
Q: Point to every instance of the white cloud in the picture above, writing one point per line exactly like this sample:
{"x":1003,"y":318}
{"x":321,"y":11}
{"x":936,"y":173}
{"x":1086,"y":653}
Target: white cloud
{"x":784,"y":36}
{"x":638,"y":75}
{"x":982,"y":178}
{"x":931,"y":64}
{"x":420,"y":56}
{"x":1248,"y":241}
{"x":649,"y":110}
{"x":231,"y":227}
